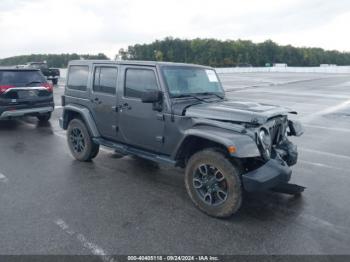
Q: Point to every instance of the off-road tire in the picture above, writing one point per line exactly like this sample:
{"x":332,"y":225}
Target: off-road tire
{"x":229,"y":171}
{"x":95,"y":152}
{"x":44,"y":117}
{"x":90,"y":149}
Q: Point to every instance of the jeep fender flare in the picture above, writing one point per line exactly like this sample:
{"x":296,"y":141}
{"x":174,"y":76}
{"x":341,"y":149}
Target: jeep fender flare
{"x":244,"y":144}
{"x":85,"y":115}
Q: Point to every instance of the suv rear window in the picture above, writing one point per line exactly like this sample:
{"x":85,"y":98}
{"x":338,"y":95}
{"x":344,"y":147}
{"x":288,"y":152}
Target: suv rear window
{"x":20,"y":78}
{"x":78,"y":77}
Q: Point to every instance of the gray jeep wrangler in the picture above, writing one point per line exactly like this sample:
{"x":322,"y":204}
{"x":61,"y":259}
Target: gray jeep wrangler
{"x":177,"y":114}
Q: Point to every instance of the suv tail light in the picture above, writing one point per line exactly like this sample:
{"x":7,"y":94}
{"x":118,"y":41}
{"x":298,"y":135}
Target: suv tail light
{"x":4,"y":88}
{"x":48,"y":86}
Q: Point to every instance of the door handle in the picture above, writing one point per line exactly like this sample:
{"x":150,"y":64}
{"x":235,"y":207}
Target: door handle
{"x":121,"y":107}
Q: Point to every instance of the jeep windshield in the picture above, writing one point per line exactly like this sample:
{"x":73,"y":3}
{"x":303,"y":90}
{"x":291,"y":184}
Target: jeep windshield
{"x":192,"y":82}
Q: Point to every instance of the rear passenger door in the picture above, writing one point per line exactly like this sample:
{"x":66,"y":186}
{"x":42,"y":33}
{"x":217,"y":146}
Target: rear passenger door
{"x":139,"y":124}
{"x":103,"y":99}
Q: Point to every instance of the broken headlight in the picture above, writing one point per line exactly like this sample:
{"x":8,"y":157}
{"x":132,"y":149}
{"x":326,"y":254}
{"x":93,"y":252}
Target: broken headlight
{"x":265,"y":142}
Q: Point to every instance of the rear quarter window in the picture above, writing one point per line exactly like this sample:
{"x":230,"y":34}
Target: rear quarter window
{"x":78,"y":77}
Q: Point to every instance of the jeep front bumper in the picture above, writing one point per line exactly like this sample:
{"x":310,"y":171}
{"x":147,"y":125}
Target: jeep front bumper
{"x":273,"y":173}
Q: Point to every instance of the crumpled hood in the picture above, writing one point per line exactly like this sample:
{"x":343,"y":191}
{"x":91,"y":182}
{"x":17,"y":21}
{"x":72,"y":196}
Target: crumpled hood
{"x":237,"y":111}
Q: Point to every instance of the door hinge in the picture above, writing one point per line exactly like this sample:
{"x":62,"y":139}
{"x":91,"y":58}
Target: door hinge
{"x":160,"y":139}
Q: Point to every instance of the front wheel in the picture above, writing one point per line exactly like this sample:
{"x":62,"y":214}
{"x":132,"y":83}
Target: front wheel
{"x":80,"y":142}
{"x":213,"y":183}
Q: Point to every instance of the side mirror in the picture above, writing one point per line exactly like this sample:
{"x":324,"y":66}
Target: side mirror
{"x":151,"y":96}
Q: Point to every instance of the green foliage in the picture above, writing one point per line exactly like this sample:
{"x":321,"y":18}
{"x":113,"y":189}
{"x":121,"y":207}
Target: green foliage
{"x":231,"y":53}
{"x":52,"y":60}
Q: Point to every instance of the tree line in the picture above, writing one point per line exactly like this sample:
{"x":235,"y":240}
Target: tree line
{"x":231,"y":53}
{"x":53,"y":60}
{"x":212,"y":52}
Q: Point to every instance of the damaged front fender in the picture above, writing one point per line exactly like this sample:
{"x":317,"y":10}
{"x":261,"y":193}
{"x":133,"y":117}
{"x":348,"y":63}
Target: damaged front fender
{"x":244,"y":144}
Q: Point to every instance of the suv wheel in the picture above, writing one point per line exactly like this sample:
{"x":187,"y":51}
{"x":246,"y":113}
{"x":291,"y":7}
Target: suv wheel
{"x":80,"y":142}
{"x":213,"y":183}
{"x":44,"y":117}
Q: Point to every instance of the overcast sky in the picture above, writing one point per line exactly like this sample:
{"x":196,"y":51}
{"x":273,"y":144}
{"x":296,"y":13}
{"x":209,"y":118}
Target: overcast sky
{"x":92,"y":26}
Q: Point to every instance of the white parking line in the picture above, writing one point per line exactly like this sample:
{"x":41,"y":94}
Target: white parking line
{"x":328,"y":128}
{"x":60,"y":135}
{"x":3,"y":178}
{"x":94,"y":249}
{"x":328,"y":110}
{"x":325,"y":153}
{"x":321,"y":224}
{"x":321,"y":165}
{"x":310,"y":221}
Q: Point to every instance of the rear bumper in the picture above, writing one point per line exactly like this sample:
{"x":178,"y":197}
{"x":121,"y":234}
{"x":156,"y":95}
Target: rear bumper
{"x":28,"y":111}
{"x":271,"y":174}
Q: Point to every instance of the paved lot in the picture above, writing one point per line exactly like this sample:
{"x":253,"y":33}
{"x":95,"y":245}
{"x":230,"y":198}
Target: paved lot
{"x":51,"y":204}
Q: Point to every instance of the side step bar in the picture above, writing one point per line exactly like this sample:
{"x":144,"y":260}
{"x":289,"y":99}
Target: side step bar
{"x":128,"y":150}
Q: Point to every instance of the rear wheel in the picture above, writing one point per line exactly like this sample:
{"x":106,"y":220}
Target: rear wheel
{"x":44,"y":117}
{"x":80,"y":142}
{"x":213,"y":183}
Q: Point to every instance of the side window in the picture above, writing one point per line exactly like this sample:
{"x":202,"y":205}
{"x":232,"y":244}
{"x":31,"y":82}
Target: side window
{"x":138,"y":81}
{"x":105,"y":80}
{"x":78,"y":77}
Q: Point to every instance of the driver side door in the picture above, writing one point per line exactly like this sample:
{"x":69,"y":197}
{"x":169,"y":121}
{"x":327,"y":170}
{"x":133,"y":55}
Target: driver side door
{"x":140,"y":124}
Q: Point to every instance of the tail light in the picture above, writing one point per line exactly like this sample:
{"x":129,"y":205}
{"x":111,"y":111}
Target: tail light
{"x":48,"y":86}
{"x":3,"y":89}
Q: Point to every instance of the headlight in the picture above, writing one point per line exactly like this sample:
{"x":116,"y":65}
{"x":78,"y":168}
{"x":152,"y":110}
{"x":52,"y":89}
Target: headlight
{"x":265,"y":143}
{"x":265,"y":138}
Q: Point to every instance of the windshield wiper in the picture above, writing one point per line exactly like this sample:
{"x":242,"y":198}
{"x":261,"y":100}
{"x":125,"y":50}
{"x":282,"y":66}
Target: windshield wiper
{"x":190,"y":95}
{"x":210,"y":93}
{"x":33,"y":82}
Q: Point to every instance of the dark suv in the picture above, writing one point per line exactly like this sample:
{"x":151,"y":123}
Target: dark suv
{"x":52,"y":74}
{"x":178,"y":114}
{"x":25,"y":92}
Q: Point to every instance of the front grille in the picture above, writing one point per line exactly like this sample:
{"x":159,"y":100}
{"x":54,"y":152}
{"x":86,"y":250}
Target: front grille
{"x":276,"y":130}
